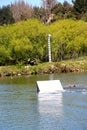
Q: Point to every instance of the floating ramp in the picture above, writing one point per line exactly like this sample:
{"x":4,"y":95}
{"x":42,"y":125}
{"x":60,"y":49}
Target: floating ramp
{"x":49,"y":86}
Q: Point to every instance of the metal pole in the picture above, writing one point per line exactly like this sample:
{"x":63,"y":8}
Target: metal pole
{"x":49,"y":48}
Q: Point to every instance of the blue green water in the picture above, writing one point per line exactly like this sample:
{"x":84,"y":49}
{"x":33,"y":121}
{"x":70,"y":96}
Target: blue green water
{"x":21,"y":108}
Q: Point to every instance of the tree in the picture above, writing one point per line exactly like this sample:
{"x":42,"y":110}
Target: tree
{"x":21,"y":11}
{"x":58,"y":8}
{"x":62,"y":11}
{"x":6,"y":15}
{"x":67,"y":10}
{"x":84,"y":17}
{"x":80,"y":6}
{"x":65,"y":3}
{"x":48,"y":5}
{"x":36,"y":12}
{"x":58,"y":11}
{"x":40,"y":14}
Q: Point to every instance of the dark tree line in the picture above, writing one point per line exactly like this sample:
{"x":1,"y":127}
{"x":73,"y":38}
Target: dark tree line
{"x":50,"y":10}
{"x":80,"y":9}
{"x":6,"y":16}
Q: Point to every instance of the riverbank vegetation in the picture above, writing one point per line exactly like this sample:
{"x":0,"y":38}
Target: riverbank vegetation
{"x":28,"y":39}
{"x":68,"y":66}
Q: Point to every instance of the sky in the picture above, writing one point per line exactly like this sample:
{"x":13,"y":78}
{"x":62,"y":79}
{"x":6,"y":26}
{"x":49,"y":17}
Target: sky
{"x":31,"y":2}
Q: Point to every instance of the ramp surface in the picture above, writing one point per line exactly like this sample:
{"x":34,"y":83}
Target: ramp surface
{"x":50,"y":86}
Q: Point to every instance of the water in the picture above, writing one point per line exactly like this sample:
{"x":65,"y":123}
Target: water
{"x":21,"y":108}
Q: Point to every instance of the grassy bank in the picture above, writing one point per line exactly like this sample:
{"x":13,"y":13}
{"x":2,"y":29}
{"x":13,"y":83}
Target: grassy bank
{"x":78,"y":65}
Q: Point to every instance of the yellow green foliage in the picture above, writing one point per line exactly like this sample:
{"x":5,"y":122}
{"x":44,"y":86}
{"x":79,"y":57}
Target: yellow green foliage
{"x":28,"y":39}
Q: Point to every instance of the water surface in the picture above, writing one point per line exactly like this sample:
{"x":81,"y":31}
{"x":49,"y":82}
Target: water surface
{"x":21,"y":108}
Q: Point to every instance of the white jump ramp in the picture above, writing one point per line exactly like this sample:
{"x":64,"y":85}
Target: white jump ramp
{"x":49,"y":86}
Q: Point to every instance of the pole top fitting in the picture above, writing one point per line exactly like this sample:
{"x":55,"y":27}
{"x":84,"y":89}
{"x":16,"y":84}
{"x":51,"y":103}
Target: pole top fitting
{"x":49,"y":35}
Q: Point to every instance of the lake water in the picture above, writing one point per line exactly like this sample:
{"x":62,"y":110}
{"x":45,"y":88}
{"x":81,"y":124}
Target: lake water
{"x":21,"y":108}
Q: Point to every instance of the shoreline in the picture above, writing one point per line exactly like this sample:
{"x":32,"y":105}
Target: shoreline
{"x":70,"y":66}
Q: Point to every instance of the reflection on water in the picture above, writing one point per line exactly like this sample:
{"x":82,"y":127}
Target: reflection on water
{"x":50,"y":110}
{"x":21,"y":108}
{"x":45,"y":101}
